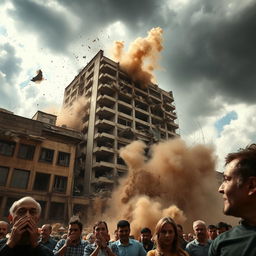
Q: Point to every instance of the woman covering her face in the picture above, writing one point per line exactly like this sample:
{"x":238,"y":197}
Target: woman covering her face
{"x":166,"y":238}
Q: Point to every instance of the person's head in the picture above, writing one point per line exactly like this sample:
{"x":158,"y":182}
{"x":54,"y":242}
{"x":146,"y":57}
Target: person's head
{"x":222,"y":227}
{"x":46,"y":231}
{"x":100,"y":227}
{"x":3,"y":229}
{"x":166,"y":234}
{"x":185,"y":236}
{"x":75,"y":229}
{"x":123,"y":230}
{"x":90,"y":238}
{"x":190,"y":237}
{"x":180,"y":230}
{"x":26,"y":206}
{"x":199,"y":228}
{"x":145,"y":235}
{"x":239,"y":182}
{"x":212,"y":232}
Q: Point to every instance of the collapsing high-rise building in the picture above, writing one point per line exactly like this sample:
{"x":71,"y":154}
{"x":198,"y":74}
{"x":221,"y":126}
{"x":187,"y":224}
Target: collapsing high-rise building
{"x":120,"y":111}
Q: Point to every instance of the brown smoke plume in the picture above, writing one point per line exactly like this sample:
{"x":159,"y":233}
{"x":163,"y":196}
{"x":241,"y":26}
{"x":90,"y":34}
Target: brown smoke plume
{"x":142,"y":56}
{"x":72,"y":116}
{"x":177,"y":181}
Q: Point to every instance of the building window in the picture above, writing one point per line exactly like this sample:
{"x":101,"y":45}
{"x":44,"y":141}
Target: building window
{"x":63,"y":159}
{"x":7,"y":148}
{"x":3,"y":175}
{"x":42,"y":181}
{"x":60,"y":184}
{"x":26,"y":151}
{"x":20,"y":178}
{"x":57,"y":211}
{"x":46,"y":155}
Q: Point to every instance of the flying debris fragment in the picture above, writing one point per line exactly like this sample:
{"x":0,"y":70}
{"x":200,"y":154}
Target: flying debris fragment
{"x":94,"y":41}
{"x":38,"y":77}
{"x":89,"y":47}
{"x":84,"y":57}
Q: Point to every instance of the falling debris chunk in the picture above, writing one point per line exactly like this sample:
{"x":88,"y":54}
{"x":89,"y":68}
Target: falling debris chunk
{"x":84,"y":57}
{"x":38,"y":77}
{"x":94,"y":40}
{"x":89,"y":47}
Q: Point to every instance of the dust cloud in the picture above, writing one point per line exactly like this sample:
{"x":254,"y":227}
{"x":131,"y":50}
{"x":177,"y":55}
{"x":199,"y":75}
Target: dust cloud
{"x":142,"y":56}
{"x":176,"y":181}
{"x":72,"y":117}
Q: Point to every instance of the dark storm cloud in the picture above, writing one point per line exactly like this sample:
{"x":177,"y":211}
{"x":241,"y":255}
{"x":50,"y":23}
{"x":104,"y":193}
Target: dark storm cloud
{"x":137,"y":15}
{"x":215,"y":50}
{"x":52,"y":26}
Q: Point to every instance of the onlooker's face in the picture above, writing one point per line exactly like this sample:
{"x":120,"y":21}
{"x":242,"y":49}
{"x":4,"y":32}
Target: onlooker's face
{"x":221,"y":230}
{"x":145,"y":237}
{"x":190,"y":237}
{"x":101,"y":229}
{"x":234,"y":194}
{"x":45,"y":232}
{"x":200,"y":232}
{"x":166,"y":235}
{"x":212,"y":233}
{"x":75,"y":232}
{"x":123,"y":233}
{"x":3,"y":230}
{"x":185,"y":236}
{"x":26,"y":209}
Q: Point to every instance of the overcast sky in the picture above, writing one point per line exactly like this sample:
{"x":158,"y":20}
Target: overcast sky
{"x":208,"y":60}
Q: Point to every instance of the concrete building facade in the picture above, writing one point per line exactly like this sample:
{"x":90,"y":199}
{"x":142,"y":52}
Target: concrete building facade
{"x":120,"y":111}
{"x":37,"y":159}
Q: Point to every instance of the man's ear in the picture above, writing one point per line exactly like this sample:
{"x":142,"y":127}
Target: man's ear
{"x":252,"y":186}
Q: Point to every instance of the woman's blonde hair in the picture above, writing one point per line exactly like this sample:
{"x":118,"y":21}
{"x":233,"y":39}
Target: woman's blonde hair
{"x":175,"y":244}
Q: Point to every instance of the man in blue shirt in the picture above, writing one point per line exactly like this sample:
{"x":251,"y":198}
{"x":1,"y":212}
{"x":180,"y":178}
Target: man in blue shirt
{"x":200,"y":245}
{"x":45,"y":237}
{"x":125,"y":245}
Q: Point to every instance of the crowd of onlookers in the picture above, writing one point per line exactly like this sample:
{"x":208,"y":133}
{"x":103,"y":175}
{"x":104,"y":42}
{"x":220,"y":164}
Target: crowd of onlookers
{"x":168,"y":239}
{"x":74,"y":240}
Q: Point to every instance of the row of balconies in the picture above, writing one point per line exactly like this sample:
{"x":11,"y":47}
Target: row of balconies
{"x":125,"y":104}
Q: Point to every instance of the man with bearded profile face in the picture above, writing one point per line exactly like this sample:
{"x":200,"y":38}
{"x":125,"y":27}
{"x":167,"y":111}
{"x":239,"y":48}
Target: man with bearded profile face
{"x":23,"y":240}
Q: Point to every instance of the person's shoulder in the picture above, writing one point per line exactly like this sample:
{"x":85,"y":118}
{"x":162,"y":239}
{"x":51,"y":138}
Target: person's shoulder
{"x":135,"y":242}
{"x":61,"y":242}
{"x":191,"y":243}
